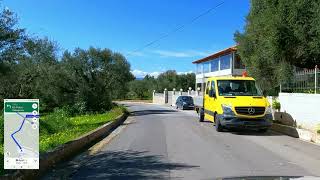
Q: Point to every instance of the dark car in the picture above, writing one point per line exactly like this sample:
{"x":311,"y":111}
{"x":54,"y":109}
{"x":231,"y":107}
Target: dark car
{"x":184,"y":102}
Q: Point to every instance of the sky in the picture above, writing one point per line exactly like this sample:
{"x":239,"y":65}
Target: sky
{"x":127,"y":25}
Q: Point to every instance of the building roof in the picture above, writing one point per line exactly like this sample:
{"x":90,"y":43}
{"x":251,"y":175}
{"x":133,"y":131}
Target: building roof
{"x":217,"y":54}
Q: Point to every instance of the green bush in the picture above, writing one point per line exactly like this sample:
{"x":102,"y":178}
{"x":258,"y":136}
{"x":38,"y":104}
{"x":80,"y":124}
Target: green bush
{"x":1,"y":144}
{"x":1,"y":160}
{"x":54,"y":132}
{"x":55,"y":122}
{"x":1,"y":129}
{"x":276,"y":105}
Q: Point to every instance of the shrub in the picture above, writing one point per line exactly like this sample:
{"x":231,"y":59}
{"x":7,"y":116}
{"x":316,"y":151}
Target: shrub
{"x":276,"y":105}
{"x":55,"y":122}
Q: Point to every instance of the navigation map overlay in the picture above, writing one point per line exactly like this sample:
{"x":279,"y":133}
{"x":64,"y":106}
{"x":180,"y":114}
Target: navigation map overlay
{"x":21,"y":133}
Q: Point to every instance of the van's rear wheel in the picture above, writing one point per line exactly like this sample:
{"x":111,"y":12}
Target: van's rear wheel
{"x":201,"y":115}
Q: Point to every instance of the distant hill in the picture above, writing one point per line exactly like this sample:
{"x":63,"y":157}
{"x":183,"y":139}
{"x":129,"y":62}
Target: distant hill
{"x":139,"y":78}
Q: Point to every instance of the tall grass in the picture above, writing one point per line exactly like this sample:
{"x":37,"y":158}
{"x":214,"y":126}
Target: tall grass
{"x":58,"y":128}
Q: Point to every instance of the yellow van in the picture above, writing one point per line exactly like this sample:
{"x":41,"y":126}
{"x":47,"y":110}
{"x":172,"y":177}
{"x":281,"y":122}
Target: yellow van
{"x":235,"y":102}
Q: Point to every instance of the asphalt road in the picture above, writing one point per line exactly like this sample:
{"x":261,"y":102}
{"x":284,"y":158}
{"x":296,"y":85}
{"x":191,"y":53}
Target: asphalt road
{"x":158,"y":142}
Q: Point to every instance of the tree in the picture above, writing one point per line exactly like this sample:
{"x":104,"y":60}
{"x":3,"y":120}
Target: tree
{"x":170,"y":79}
{"x":139,"y":90}
{"x":185,"y":81}
{"x":12,"y":40}
{"x":82,"y":80}
{"x":279,"y":34}
{"x":120,"y":76}
{"x":143,"y":89}
{"x":95,"y":77}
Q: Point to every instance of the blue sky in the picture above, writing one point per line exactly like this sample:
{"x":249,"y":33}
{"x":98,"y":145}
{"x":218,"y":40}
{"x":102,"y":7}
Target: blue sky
{"x":125,"y":25}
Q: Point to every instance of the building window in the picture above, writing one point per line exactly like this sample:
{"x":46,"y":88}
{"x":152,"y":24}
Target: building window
{"x":238,"y":63}
{"x":225,"y":62}
{"x":199,"y":68}
{"x":206,"y":67}
{"x":214,"y":65}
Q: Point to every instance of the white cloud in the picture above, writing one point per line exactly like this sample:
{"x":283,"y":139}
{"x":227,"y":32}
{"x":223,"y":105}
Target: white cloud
{"x":187,"y":72}
{"x":169,"y":53}
{"x":141,"y":74}
{"x":180,"y":54}
{"x":155,"y":74}
{"x":137,"y":54}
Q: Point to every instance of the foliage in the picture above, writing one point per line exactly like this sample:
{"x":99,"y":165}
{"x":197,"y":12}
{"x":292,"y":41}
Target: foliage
{"x":78,"y":82}
{"x":142,"y":89}
{"x":1,"y":128}
{"x":1,"y":144}
{"x":276,"y":105}
{"x":279,"y":35}
{"x":82,"y":80}
{"x":1,"y":160}
{"x":52,"y":133}
{"x":170,"y":79}
{"x":94,"y":78}
{"x":11,"y":40}
{"x":11,"y":48}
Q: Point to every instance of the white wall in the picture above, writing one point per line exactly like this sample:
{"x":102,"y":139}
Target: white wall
{"x":238,"y":72}
{"x":304,"y":108}
{"x":158,"y":98}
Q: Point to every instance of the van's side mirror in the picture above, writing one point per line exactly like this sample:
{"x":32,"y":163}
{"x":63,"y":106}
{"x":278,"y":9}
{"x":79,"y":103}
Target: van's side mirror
{"x":212,"y":93}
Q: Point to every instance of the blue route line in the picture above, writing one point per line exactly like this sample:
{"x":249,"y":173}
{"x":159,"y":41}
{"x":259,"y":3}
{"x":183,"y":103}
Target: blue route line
{"x":12,"y":135}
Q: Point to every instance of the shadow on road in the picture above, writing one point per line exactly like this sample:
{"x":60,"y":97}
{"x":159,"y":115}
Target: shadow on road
{"x":148,"y":112}
{"x":254,"y":133}
{"x":126,"y":165}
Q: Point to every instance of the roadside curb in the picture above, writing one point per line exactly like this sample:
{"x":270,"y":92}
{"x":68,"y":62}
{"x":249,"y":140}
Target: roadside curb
{"x":68,"y":150}
{"x":302,"y":134}
{"x":290,"y":131}
{"x":134,"y":102}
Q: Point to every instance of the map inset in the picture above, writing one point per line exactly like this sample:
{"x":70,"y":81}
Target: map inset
{"x":21,"y":134}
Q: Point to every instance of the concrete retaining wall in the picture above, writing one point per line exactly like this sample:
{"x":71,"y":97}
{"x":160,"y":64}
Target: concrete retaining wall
{"x":303,"y":108}
{"x":297,"y":133}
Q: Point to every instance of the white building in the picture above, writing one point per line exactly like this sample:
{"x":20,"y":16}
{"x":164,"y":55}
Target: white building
{"x":223,"y":63}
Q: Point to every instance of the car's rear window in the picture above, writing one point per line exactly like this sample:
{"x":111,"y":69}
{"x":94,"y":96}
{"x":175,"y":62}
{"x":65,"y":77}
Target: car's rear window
{"x":187,"y":98}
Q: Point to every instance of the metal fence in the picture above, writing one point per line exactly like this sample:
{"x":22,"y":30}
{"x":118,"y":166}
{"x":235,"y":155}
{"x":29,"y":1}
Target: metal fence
{"x":305,"y":81}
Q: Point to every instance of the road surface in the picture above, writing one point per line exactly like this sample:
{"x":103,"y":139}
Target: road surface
{"x":158,"y":142}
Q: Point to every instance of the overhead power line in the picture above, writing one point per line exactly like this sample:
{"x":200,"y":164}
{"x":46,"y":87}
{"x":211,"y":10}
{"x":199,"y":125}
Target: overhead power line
{"x":178,"y":28}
